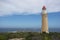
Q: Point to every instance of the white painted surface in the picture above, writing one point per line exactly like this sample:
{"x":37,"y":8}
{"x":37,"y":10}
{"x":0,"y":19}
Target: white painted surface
{"x":44,"y":12}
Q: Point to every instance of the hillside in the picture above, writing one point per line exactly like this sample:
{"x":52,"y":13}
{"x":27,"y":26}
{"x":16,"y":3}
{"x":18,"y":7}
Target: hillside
{"x":30,"y":36}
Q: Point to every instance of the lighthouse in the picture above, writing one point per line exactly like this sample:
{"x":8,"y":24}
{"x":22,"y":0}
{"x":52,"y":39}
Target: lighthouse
{"x":44,"y":21}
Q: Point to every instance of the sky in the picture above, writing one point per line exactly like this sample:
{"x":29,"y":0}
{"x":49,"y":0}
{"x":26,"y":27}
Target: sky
{"x":27,"y":13}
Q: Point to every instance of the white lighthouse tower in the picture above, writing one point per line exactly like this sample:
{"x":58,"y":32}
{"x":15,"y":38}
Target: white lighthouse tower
{"x":44,"y":21}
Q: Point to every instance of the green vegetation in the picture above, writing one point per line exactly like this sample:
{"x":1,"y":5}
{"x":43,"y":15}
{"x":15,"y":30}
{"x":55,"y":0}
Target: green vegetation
{"x":30,"y":35}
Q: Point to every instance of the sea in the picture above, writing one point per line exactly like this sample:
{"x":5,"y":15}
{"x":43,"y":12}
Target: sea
{"x":27,"y":30}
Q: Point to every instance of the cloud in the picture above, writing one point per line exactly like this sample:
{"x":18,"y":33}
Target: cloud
{"x":10,"y":7}
{"x":52,"y":5}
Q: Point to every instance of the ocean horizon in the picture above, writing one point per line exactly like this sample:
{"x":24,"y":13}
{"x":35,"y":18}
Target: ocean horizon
{"x":27,"y":29}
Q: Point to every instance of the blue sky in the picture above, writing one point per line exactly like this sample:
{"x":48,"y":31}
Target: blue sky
{"x":27,"y":13}
{"x":29,"y":21}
